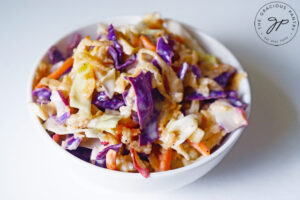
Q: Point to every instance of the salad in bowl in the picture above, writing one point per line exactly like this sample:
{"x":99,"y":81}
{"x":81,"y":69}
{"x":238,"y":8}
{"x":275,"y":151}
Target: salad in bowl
{"x":138,"y":98}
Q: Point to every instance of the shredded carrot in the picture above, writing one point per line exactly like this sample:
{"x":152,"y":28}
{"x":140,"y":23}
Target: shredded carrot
{"x":147,"y":43}
{"x":135,"y":131}
{"x":179,"y":39}
{"x":58,"y":72}
{"x":128,"y":123}
{"x":111,"y":157}
{"x":119,"y":129}
{"x":202,"y":148}
{"x":73,"y":110}
{"x":165,"y":160}
{"x":156,"y":25}
{"x":56,"y":138}
{"x":135,"y":40}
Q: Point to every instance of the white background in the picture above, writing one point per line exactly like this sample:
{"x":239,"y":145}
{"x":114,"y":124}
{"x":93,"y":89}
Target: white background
{"x":264,"y":164}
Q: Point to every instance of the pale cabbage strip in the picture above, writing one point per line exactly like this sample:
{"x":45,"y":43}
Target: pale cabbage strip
{"x":82,"y":89}
{"x":177,"y":131}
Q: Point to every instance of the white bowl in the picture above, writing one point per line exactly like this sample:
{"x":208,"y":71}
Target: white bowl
{"x":99,"y":178}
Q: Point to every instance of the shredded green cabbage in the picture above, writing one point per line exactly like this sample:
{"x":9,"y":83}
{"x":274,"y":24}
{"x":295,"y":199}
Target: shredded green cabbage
{"x":83,"y":84}
{"x":105,"y":122}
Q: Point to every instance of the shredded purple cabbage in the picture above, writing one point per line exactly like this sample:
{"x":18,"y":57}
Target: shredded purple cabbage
{"x":111,"y":35}
{"x":142,"y":87}
{"x":134,"y":116}
{"x":231,"y":96}
{"x":41,"y":95}
{"x":127,"y":63}
{"x":155,"y":63}
{"x":234,"y":100}
{"x":212,"y":95}
{"x":164,"y":50}
{"x":150,"y":131}
{"x":114,"y":54}
{"x":116,"y":51}
{"x":102,"y":101}
{"x":71,"y":143}
{"x":117,"y":59}
{"x":63,"y":118}
{"x":184,"y":69}
{"x":55,"y":55}
{"x":74,"y":43}
{"x":124,"y":95}
{"x":101,"y":157}
{"x":223,"y":79}
{"x":195,"y":70}
{"x":82,"y":153}
{"x":232,"y":93}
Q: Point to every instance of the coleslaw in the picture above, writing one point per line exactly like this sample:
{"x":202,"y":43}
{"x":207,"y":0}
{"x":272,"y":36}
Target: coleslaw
{"x":138,"y":98}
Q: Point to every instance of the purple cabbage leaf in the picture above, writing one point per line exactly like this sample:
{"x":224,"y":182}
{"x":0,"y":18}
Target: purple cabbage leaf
{"x":142,"y":87}
{"x":234,"y":100}
{"x":116,"y":51}
{"x":55,"y":55}
{"x":212,"y":95}
{"x":102,"y":101}
{"x":224,"y":78}
{"x":184,"y":69}
{"x":74,"y":43}
{"x":71,"y":143}
{"x":82,"y":153}
{"x":147,"y":115}
{"x":41,"y":95}
{"x":165,"y":50}
{"x":101,"y":157}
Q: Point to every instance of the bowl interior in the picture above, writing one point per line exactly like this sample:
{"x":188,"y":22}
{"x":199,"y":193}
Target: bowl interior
{"x":208,"y":43}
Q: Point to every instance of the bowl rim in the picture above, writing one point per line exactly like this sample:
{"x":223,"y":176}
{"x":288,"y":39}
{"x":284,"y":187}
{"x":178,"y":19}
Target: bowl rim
{"x":199,"y":162}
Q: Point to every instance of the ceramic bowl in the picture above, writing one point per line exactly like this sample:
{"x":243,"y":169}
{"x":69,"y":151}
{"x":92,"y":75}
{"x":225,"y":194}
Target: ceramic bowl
{"x":100,"y":178}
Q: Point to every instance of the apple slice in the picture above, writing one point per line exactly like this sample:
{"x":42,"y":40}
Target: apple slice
{"x":138,"y":164}
{"x":227,"y":116}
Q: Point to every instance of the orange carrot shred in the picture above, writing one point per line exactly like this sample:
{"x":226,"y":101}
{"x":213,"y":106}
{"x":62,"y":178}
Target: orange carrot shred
{"x":58,"y":72}
{"x":111,"y":157}
{"x":56,"y":138}
{"x":135,"y":131}
{"x":129,"y":123}
{"x":119,"y":129}
{"x":157,"y":25}
{"x":179,"y":39}
{"x":165,"y":160}
{"x":200,"y":147}
{"x":135,"y":41}
{"x":147,"y":43}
